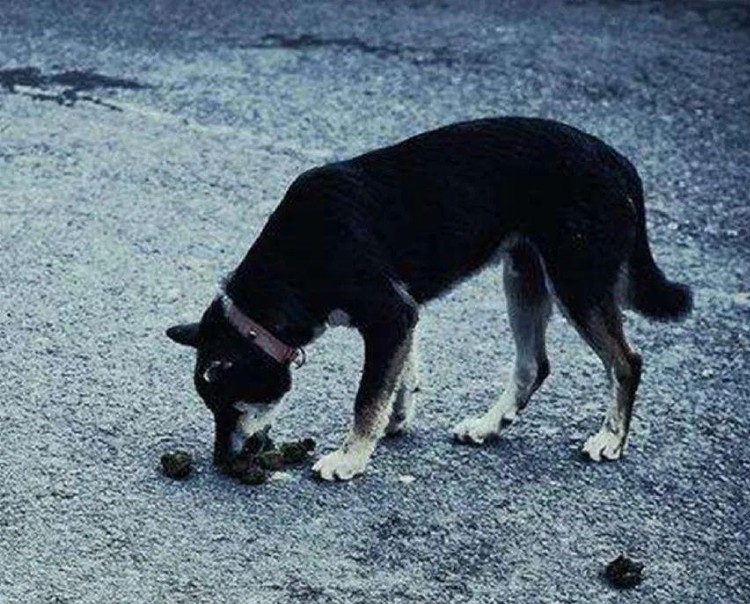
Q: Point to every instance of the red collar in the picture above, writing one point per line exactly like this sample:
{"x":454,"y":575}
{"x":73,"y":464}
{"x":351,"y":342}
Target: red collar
{"x":261,"y":337}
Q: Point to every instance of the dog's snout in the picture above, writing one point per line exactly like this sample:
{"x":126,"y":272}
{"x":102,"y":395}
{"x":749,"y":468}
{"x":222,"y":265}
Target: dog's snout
{"x":225,"y":425}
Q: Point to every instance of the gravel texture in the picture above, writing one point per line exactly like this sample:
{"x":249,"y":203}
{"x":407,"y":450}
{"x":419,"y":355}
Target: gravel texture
{"x":121,"y":205}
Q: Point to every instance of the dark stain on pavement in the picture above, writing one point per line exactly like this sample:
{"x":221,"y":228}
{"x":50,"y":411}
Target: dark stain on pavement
{"x":439,"y":55}
{"x":90,"y":80}
{"x":306,"y":41}
{"x":46,"y":87}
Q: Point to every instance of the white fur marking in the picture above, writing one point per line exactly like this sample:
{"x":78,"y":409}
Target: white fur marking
{"x":478,"y":429}
{"x":338,"y":317}
{"x":348,"y":461}
{"x":604,"y":445}
{"x":406,"y":394}
{"x":238,"y":440}
{"x":609,"y":442}
{"x":254,"y":418}
{"x":213,"y":370}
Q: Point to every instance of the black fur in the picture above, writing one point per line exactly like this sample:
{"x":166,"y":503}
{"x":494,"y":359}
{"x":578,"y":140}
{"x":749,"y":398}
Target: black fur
{"x":650,"y":292}
{"x":384,"y":232}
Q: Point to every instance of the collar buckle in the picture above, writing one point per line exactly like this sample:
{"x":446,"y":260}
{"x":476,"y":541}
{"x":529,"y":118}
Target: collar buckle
{"x":279,"y":351}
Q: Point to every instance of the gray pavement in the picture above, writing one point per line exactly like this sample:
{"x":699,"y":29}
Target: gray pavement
{"x":122,"y":205}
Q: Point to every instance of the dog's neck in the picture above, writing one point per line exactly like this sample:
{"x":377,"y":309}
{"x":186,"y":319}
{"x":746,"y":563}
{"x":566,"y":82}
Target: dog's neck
{"x":275,"y":348}
{"x":273,"y":306}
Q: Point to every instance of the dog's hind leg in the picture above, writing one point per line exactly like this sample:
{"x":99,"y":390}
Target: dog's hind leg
{"x":387,"y":326}
{"x":601,"y":327}
{"x":529,"y":309}
{"x":403,"y":405}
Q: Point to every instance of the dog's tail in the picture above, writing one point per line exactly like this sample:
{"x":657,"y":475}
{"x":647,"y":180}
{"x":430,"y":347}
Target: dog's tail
{"x":649,"y":291}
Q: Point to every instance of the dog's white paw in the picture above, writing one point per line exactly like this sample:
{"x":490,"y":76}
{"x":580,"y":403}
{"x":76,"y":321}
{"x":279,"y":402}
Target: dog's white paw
{"x":477,"y":429}
{"x":605,"y":445}
{"x":344,"y":463}
{"x":473,"y":430}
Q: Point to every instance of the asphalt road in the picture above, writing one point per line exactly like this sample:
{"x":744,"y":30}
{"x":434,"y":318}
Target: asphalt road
{"x":123,"y":199}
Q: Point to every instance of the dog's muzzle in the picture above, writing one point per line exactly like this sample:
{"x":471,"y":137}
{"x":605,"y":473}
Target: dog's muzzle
{"x":233,"y":428}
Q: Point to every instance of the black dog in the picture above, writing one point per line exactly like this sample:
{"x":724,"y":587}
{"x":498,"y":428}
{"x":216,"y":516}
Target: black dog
{"x":368,"y":240}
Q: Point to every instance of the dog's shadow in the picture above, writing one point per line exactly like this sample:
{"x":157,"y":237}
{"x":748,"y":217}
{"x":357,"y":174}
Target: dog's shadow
{"x":511,"y":454}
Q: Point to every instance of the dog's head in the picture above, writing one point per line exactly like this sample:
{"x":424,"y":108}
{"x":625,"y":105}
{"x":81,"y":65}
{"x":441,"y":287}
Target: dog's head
{"x":239,"y":382}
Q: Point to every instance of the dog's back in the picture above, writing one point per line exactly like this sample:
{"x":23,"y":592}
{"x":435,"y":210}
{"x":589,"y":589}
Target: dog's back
{"x":458,"y":193}
{"x":433,"y":209}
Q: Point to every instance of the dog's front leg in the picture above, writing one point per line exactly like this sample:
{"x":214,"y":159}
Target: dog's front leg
{"x":387,"y":348}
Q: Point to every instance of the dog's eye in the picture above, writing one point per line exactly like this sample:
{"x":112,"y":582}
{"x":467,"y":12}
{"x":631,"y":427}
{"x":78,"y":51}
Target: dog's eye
{"x":214,"y":369}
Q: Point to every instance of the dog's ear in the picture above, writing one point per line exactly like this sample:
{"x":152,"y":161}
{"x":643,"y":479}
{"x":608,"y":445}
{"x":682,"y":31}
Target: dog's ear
{"x":186,"y":334}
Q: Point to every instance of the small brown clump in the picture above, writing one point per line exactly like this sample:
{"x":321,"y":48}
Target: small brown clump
{"x":260,"y":455}
{"x":256,"y":444}
{"x":623,"y":572}
{"x":238,"y":466}
{"x":253,"y":475}
{"x":293,"y":453}
{"x":176,"y":464}
{"x":271,"y":460}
